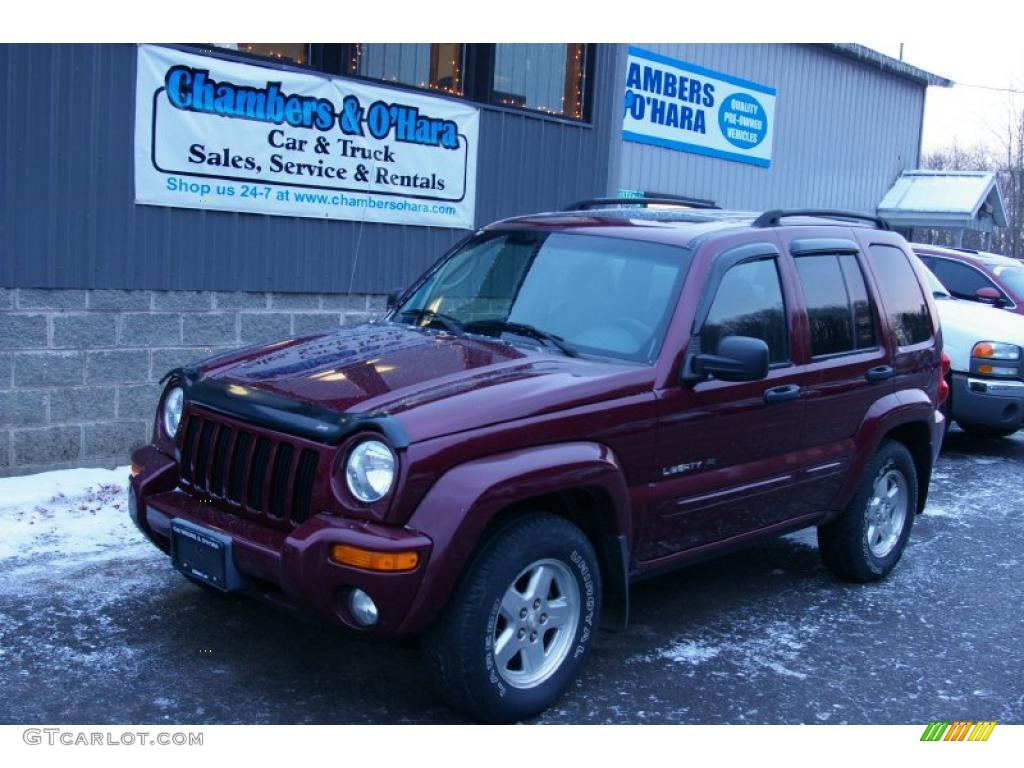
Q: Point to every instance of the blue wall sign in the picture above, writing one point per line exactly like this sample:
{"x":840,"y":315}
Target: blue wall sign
{"x":676,"y":105}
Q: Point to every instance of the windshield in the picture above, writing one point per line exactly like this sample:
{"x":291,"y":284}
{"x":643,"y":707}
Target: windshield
{"x":584,"y":294}
{"x":1013,"y":277}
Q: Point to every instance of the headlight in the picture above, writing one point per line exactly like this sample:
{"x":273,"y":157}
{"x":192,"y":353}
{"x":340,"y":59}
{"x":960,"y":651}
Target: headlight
{"x":996,"y":350}
{"x":173,"y":404}
{"x":370,"y":471}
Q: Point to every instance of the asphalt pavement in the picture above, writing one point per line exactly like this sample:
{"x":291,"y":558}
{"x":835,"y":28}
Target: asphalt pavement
{"x":762,"y":636}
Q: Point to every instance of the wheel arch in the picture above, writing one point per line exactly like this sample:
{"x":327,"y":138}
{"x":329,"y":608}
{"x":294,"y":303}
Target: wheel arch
{"x":592,"y":510}
{"x":902,"y":416}
{"x":916,"y":436}
{"x":581,"y":482}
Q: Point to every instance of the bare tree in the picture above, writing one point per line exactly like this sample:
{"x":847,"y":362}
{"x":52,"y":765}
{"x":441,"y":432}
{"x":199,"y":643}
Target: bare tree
{"x":957,"y":157}
{"x":1006,"y":158}
{"x":1011,"y":174}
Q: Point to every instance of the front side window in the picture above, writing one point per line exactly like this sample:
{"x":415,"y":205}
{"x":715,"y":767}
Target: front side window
{"x":838,"y":307}
{"x":602,"y":296}
{"x":434,"y":66}
{"x":540,"y":76}
{"x":961,"y":280}
{"x":901,"y":294}
{"x":749,"y":303}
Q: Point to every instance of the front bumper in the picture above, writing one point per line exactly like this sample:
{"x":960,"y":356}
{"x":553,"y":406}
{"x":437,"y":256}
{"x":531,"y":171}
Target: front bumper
{"x":290,"y":569}
{"x":994,"y":403}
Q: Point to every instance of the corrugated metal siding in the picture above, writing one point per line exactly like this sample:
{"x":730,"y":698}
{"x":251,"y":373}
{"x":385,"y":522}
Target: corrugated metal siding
{"x":843,"y":132}
{"x":68,"y":217}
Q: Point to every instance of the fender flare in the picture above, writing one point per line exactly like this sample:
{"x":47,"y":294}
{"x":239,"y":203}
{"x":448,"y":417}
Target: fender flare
{"x":458,"y":508}
{"x":885,"y":414}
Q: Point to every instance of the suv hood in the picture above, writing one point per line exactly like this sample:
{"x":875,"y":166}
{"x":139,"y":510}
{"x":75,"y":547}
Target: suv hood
{"x":965,"y":323}
{"x":434,"y":383}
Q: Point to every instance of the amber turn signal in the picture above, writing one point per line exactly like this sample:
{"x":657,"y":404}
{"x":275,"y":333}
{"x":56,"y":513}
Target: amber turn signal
{"x":984,"y":349}
{"x":136,"y":469}
{"x":369,"y":560}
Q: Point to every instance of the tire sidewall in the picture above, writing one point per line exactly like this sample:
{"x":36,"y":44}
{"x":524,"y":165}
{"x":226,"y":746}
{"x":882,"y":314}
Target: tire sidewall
{"x":892,"y":456}
{"x":502,"y":700}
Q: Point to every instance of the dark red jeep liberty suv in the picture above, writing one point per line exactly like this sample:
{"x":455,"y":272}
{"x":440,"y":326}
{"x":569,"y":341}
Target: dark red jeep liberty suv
{"x":564,"y":404}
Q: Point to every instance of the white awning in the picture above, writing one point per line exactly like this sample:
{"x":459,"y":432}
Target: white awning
{"x":945,"y":200}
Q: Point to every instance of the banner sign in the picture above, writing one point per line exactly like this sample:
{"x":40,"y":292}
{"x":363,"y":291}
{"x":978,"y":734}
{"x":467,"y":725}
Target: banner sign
{"x":217,"y":134}
{"x":672,"y":104}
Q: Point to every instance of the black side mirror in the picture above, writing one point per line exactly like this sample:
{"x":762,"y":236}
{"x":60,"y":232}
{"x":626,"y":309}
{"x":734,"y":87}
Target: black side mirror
{"x":738,"y":358}
{"x":393,"y":298}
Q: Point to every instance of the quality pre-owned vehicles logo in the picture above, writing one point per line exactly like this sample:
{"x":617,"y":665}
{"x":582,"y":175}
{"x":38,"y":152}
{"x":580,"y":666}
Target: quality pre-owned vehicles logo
{"x":958,"y":730}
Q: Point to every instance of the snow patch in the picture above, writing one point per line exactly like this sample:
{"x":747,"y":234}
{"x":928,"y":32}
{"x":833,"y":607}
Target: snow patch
{"x":69,"y":554}
{"x":690,"y":652}
{"x":807,"y":537}
{"x":776,"y":647}
{"x":36,"y":489}
{"x":66,"y":517}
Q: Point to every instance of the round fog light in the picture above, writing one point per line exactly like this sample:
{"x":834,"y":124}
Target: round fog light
{"x":362,"y":607}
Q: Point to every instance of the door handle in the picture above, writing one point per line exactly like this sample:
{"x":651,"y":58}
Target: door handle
{"x":879,"y":373}
{"x":782,"y":394}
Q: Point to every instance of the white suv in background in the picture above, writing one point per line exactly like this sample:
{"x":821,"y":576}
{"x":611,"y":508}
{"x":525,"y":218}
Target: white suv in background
{"x":986,"y":351}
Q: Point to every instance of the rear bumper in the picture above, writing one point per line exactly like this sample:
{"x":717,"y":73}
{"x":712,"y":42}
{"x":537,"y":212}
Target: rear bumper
{"x":290,"y":569}
{"x":988,"y":402}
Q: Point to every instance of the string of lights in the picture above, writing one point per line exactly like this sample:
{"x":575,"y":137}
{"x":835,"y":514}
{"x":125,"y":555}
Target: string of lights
{"x":295,"y":52}
{"x":444,"y":71}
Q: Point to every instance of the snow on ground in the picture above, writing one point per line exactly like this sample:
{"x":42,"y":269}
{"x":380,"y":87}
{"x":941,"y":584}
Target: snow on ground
{"x":774,"y":646}
{"x":70,"y":515}
{"x":69,"y":554}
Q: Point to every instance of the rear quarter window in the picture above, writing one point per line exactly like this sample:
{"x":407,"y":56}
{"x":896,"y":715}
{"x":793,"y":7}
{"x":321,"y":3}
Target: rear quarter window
{"x":903,"y":300}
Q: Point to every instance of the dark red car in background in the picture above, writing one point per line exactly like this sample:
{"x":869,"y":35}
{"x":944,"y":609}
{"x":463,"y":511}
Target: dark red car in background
{"x":977,"y":275}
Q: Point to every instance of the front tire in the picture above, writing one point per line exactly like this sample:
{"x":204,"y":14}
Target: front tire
{"x":521,"y":623}
{"x":867,"y":540}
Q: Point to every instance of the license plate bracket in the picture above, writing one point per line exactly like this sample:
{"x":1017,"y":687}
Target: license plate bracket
{"x":205,"y":555}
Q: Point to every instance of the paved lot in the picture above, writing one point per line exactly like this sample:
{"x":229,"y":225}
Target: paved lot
{"x":110,"y":634}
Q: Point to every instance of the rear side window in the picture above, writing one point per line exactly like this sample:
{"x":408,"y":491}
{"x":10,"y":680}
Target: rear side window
{"x":864,"y":332}
{"x":749,"y":303}
{"x":904,"y":302}
{"x":838,"y":307}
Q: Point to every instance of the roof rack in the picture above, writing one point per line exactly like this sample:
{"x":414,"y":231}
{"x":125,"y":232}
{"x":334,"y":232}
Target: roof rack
{"x":646,"y":200}
{"x":771,"y":218}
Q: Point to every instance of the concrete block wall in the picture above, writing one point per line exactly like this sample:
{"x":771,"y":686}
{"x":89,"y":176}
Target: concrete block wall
{"x":79,"y":369}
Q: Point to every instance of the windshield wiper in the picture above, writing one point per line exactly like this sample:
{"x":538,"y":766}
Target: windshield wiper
{"x":450,"y":323}
{"x":522,"y":329}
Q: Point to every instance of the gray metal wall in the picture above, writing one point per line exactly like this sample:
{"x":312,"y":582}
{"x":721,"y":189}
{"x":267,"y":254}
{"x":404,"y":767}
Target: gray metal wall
{"x":68,"y":217}
{"x":843,"y":132}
